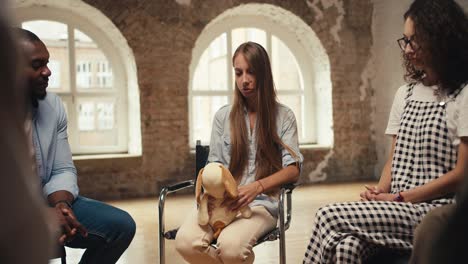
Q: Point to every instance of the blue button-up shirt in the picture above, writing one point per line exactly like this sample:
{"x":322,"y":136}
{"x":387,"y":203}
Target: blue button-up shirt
{"x":53,"y":156}
{"x":220,"y":148}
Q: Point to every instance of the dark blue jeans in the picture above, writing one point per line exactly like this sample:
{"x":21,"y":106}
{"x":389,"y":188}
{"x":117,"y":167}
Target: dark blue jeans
{"x":110,"y":231}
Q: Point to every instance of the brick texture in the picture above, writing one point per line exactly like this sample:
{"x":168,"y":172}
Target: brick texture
{"x":162,"y":34}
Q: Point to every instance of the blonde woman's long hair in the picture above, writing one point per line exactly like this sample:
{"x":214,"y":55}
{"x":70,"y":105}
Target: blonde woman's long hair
{"x":268,"y":159}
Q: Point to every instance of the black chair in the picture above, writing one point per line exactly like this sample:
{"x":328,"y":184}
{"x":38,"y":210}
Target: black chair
{"x":201,"y":156}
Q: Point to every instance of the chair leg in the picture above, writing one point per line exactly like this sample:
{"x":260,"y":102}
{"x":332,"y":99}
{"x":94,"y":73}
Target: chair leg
{"x":162,"y":240}
{"x":282,"y":236}
{"x":162,"y":258}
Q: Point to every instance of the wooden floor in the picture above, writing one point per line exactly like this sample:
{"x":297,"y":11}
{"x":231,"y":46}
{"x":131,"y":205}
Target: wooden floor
{"x":306,"y":200}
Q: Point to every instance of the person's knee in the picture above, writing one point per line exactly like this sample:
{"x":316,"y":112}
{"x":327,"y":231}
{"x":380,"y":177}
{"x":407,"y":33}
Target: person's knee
{"x":351,"y":244}
{"x":184,"y":247}
{"x":128,"y":226}
{"x":235,"y":251}
{"x":124,"y":225}
{"x":323,"y":214}
{"x":188,"y":246}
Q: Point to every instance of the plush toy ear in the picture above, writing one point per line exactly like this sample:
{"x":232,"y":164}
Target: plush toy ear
{"x":229,"y":183}
{"x":198,"y":186}
{"x":203,"y":216}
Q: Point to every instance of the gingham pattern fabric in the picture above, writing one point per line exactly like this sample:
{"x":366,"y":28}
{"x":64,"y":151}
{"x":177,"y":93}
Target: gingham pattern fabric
{"x":351,"y":232}
{"x":423,"y":148}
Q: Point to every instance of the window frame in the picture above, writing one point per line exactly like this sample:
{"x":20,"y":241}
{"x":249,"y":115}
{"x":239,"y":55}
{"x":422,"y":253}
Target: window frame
{"x":119,"y":88}
{"x":271,"y":29}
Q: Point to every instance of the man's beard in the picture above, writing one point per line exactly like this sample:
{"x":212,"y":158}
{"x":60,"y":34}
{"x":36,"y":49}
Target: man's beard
{"x":35,"y":97}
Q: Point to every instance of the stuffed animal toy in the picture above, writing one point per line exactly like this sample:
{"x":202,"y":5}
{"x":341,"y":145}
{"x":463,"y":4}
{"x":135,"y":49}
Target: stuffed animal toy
{"x":217,"y":181}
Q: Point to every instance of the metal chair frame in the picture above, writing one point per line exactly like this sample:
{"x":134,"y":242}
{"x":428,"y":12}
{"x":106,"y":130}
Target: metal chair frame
{"x":201,"y":155}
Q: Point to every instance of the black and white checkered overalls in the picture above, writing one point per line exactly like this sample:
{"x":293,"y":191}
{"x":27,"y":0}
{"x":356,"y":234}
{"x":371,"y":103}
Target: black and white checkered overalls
{"x":350,"y":232}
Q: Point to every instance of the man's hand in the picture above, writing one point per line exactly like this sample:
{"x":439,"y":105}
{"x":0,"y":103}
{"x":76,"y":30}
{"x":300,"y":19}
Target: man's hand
{"x":68,"y":223}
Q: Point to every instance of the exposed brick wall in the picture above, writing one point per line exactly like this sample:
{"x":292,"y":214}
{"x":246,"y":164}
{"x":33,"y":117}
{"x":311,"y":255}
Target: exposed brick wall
{"x":162,"y":34}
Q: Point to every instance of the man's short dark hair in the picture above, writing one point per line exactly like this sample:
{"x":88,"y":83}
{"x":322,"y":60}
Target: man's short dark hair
{"x":25,"y":35}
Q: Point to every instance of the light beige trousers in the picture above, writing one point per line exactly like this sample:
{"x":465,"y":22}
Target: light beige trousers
{"x":234,"y":243}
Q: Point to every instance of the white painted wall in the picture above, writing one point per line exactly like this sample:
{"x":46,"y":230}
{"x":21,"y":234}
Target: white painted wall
{"x":387,"y":27}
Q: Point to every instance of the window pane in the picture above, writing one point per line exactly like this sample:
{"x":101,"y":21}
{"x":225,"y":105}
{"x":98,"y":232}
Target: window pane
{"x":96,"y":123}
{"x":54,"y":80}
{"x":203,"y":111}
{"x":296,"y":103}
{"x":93,"y":69}
{"x":241,"y":35}
{"x":105,"y":116}
{"x":86,"y":116}
{"x":55,"y":37}
{"x":211,"y":72}
{"x":286,"y":72}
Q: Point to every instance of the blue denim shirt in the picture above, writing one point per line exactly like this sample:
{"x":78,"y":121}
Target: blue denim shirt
{"x":53,"y":156}
{"x":220,"y":148}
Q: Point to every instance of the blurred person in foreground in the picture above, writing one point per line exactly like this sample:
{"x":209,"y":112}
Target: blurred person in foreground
{"x":24,"y":225}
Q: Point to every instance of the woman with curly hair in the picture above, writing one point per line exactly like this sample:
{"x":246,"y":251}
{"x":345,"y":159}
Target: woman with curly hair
{"x":429,"y":157}
{"x":256,"y":138}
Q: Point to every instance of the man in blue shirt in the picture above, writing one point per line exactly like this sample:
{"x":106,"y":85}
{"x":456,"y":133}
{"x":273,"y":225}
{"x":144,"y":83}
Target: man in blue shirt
{"x":104,"y":231}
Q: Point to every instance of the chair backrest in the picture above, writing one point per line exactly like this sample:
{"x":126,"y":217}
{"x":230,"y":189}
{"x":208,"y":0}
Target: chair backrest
{"x":201,"y":157}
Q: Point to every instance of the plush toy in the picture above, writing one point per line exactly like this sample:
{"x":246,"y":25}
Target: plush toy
{"x":217,"y":181}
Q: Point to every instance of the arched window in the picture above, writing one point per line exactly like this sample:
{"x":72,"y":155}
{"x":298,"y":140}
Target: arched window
{"x":90,"y":76}
{"x":213,"y":83}
{"x":302,"y":82}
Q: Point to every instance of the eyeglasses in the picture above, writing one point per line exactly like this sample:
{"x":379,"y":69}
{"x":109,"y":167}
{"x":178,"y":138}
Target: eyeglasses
{"x":405,"y":41}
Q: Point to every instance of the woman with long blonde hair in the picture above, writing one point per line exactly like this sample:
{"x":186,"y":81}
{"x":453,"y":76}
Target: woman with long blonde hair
{"x":256,"y":138}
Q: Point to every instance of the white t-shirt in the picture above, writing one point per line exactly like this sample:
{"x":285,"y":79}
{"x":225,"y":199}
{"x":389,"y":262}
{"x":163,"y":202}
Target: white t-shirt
{"x":456,"y":110}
